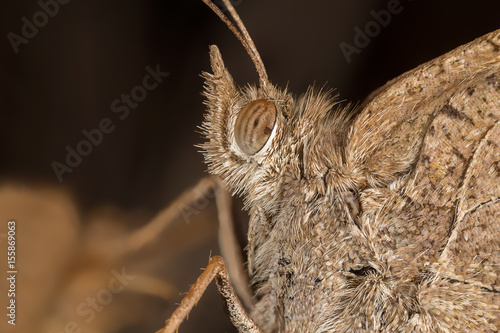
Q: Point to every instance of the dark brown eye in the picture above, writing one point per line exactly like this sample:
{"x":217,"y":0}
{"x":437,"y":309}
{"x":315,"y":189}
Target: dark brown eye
{"x":254,"y":125}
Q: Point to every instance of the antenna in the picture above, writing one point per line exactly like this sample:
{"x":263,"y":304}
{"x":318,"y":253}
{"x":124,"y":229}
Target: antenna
{"x":243,"y":36}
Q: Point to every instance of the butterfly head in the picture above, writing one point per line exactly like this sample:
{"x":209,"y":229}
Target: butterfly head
{"x":244,"y":127}
{"x":256,"y":134}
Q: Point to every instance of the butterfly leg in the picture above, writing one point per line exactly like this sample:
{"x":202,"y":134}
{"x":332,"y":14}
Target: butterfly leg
{"x":216,"y":268}
{"x":150,"y":231}
{"x":230,"y":248}
{"x":228,"y":244}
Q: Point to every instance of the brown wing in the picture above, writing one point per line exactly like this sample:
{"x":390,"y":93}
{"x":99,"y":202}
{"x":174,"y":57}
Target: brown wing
{"x":428,"y":146}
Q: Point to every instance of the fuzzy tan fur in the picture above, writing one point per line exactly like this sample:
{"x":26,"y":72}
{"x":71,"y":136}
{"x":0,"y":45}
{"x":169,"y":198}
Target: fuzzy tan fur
{"x":381,"y":219}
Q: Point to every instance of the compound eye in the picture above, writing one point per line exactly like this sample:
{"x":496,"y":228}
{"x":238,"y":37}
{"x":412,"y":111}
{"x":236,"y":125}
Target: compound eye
{"x":254,"y":125}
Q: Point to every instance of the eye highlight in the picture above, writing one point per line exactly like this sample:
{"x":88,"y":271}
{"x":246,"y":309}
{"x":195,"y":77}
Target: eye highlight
{"x":254,"y":125}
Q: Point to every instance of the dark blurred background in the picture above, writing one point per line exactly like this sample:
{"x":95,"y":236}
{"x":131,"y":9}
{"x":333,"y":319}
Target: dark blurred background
{"x":64,"y":79}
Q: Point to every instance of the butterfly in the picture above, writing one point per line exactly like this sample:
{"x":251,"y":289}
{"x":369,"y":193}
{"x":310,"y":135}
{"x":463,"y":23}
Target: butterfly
{"x":380,"y":217}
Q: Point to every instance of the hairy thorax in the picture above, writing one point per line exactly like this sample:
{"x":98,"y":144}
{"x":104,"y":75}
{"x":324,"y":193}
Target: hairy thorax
{"x":324,"y":270}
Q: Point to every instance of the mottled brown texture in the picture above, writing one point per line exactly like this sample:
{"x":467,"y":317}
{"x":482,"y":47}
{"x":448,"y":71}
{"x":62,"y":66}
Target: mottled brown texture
{"x":380,"y":220}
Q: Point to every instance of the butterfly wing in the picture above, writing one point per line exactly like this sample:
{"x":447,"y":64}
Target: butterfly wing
{"x":428,"y":145}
